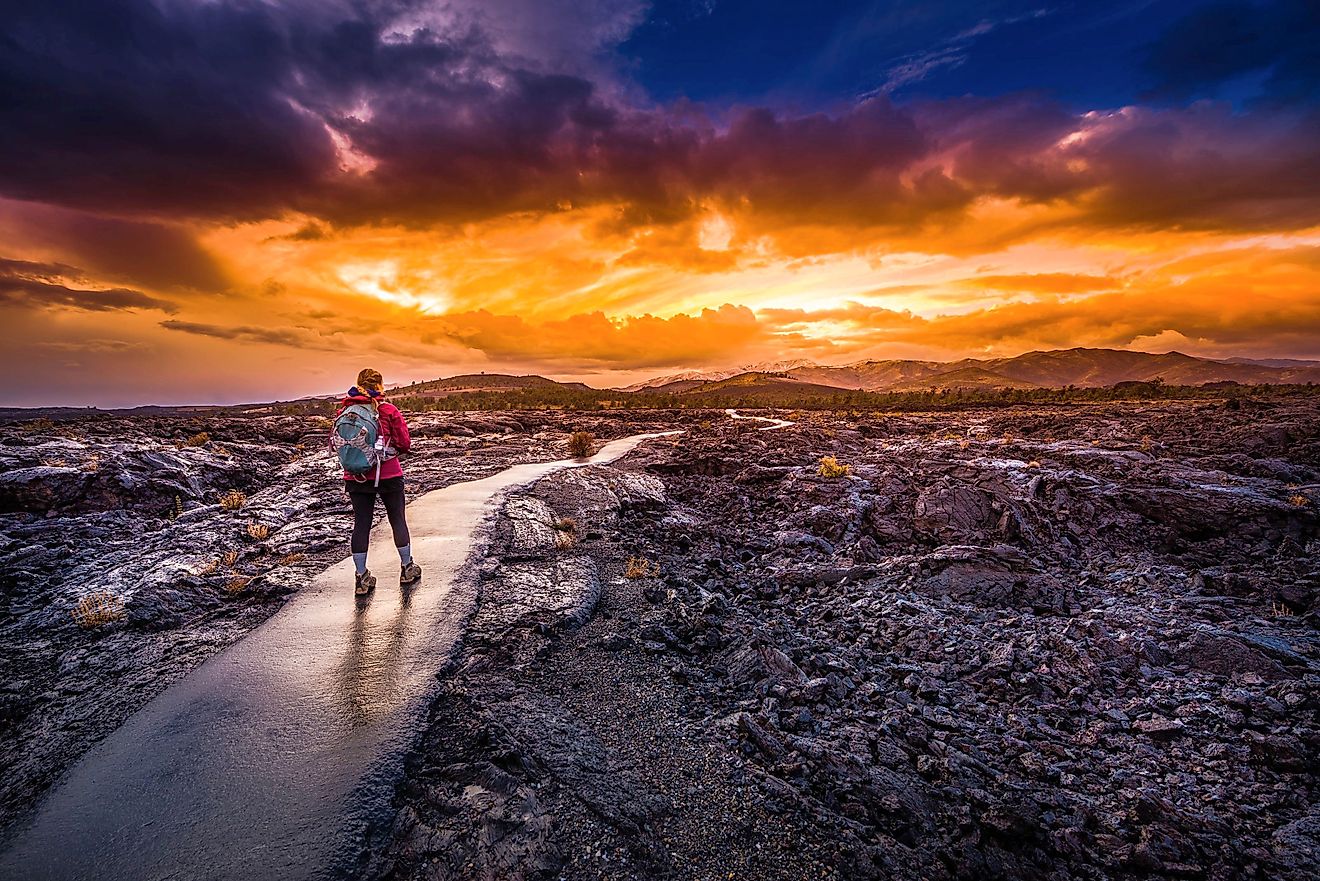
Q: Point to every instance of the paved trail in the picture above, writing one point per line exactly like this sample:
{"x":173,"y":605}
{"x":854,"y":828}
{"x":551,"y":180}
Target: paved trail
{"x":277,"y":758}
{"x":774,"y":423}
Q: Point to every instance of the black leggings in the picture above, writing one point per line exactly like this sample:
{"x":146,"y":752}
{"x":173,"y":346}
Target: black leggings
{"x":363,"y":497}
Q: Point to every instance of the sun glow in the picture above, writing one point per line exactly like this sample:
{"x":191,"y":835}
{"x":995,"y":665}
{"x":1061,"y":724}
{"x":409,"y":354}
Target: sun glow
{"x":383,"y":281}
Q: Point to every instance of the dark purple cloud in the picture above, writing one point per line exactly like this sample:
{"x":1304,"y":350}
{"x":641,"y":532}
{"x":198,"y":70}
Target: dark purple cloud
{"x":26,"y":284}
{"x":452,"y":112}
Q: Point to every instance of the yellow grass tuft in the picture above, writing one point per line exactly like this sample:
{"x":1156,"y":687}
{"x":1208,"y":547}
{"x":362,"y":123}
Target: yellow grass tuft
{"x":233,"y":500}
{"x":832,"y":467}
{"x":197,"y":439}
{"x":258,"y":531}
{"x":97,"y":609}
{"x":640,"y":567}
{"x":237,"y":584}
{"x":230,"y":558}
{"x":1297,"y":500}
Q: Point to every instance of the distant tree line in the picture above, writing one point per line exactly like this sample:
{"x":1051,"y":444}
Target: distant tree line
{"x":560,"y":398}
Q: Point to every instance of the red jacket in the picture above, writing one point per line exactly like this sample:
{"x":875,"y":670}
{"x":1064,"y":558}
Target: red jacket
{"x":392,"y":428}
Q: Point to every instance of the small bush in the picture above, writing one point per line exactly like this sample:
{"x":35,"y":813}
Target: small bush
{"x":581,"y":444}
{"x":97,"y":609}
{"x":640,"y":567}
{"x":197,"y":439}
{"x":1298,"y":500}
{"x":1146,"y":443}
{"x":233,"y":500}
{"x":41,"y":425}
{"x":230,"y":558}
{"x":832,"y":467}
{"x":258,"y":531}
{"x":290,"y":559}
{"x":237,"y":584}
{"x":565,"y":532}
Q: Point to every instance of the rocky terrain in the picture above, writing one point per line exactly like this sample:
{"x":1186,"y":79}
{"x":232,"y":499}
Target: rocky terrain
{"x":132,"y":547}
{"x":1067,"y":643}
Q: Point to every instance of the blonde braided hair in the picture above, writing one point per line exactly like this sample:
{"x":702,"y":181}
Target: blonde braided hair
{"x":371,"y":380}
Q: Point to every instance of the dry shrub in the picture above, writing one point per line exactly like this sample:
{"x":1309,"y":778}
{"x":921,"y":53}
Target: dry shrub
{"x":581,"y":444}
{"x":565,"y":532}
{"x":964,"y":444}
{"x":258,"y":531}
{"x":237,"y":584}
{"x":41,"y":425}
{"x":832,"y":467}
{"x":640,"y":567}
{"x":1297,"y":500}
{"x":230,"y":558}
{"x":197,"y":439}
{"x":208,"y":568}
{"x":1146,"y":443}
{"x":290,"y":559}
{"x":97,"y":609}
{"x":233,"y":500}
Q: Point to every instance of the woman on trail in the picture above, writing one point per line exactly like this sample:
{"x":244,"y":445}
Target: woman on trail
{"x":393,"y":436}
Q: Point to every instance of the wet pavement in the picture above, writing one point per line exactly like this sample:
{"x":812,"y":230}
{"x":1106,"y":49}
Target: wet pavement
{"x":278,"y":757}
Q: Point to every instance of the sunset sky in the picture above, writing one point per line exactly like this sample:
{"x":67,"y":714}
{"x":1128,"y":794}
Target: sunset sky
{"x":220,"y":201}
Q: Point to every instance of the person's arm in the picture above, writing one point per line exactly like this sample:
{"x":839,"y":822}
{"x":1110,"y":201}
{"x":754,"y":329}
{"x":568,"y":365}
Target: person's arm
{"x":400,"y":438}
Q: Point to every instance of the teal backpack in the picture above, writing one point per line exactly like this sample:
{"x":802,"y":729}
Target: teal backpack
{"x":353,"y":440}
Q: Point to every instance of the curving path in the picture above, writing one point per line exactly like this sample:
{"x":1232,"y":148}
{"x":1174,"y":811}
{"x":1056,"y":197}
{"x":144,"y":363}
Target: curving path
{"x":277,"y":758}
{"x":774,"y":423}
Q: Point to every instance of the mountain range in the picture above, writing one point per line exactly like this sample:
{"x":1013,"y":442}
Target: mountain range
{"x":1079,"y":367}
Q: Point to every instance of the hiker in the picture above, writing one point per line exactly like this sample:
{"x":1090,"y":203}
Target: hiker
{"x":368,"y":434}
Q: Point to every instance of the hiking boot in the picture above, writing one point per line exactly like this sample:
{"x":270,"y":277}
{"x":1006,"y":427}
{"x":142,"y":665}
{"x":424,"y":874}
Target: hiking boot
{"x":410,"y":574}
{"x":366,"y":583}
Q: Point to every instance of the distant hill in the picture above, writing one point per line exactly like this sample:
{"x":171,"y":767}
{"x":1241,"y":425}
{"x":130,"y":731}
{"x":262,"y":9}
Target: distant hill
{"x":969,"y":377}
{"x":668,"y":383}
{"x":482,"y":382}
{"x":779,"y":389}
{"x":799,"y":383}
{"x":1079,"y":367}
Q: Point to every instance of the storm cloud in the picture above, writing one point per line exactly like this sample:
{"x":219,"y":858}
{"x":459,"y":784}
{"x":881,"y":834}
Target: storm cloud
{"x":420,"y":114}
